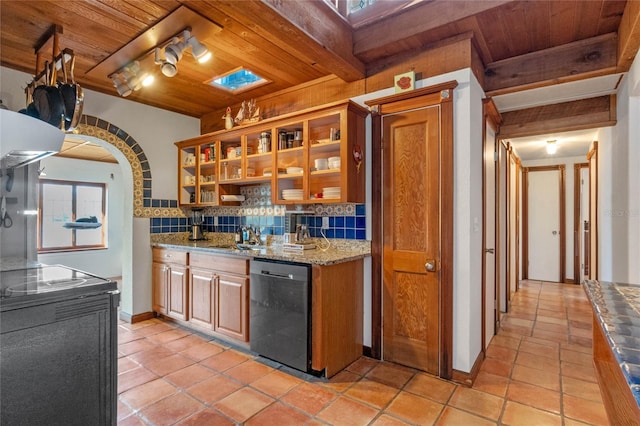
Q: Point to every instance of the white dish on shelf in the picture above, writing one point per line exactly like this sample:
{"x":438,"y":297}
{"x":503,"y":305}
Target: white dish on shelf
{"x":331,"y":188}
{"x":294,"y":170}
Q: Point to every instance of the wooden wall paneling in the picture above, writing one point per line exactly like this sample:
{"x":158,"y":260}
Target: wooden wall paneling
{"x":411,"y":23}
{"x":332,"y":45}
{"x":446,"y":56}
{"x":569,"y":62}
{"x":561,"y":117}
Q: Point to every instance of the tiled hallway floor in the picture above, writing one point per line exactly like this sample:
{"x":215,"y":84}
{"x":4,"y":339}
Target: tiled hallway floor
{"x":538,"y":371}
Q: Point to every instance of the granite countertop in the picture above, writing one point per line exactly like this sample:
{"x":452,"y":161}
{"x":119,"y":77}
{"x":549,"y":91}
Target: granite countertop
{"x":339,"y":251}
{"x":617,"y":308}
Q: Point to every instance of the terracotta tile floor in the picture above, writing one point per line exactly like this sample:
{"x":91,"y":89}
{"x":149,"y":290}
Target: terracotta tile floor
{"x":538,"y":371}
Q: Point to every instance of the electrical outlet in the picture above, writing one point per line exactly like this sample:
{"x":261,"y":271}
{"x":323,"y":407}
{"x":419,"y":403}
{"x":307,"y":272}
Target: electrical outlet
{"x":215,"y":221}
{"x":325,"y":222}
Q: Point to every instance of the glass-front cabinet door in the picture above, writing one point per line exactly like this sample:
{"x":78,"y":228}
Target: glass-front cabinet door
{"x":314,"y":156}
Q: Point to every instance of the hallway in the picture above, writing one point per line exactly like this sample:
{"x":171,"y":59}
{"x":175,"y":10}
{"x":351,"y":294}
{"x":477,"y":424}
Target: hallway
{"x":538,"y":371}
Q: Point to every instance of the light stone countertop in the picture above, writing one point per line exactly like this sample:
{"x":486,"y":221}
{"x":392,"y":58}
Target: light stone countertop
{"x":617,"y":308}
{"x":223,"y":243}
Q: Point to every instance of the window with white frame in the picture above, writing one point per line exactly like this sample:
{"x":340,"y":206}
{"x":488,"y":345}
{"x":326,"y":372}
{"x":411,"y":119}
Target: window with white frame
{"x":72,"y":216}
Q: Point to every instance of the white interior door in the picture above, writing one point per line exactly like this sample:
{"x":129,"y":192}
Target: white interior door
{"x":490,"y":235}
{"x":544,"y":225}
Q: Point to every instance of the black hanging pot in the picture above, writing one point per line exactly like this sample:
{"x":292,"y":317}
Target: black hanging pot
{"x":72,"y":95}
{"x":48,"y":102}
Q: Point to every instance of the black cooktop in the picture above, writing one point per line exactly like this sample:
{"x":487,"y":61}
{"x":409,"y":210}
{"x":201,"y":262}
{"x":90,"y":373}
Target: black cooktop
{"x":46,"y":279}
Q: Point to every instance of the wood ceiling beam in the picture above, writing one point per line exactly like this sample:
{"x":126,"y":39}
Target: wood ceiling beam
{"x":309,"y":29}
{"x":423,"y":17}
{"x":562,"y":117}
{"x":628,"y":35}
{"x":572,"y":61}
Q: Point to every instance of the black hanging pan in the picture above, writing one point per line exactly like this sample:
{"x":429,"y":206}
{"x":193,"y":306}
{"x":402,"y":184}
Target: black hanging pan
{"x":72,"y":94}
{"x":48,"y":100}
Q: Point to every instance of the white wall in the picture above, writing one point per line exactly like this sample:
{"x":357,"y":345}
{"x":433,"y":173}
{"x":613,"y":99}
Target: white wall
{"x":618,"y":179}
{"x":155,"y":130}
{"x":569,"y":181}
{"x":107,"y":262}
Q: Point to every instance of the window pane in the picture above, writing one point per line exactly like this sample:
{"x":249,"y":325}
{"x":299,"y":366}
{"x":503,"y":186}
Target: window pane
{"x":56,"y":211}
{"x":89,"y":205}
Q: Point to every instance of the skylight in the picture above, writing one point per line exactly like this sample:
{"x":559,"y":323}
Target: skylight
{"x":238,"y":80}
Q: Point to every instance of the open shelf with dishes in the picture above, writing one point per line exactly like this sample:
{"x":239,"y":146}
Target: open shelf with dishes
{"x":313,"y":156}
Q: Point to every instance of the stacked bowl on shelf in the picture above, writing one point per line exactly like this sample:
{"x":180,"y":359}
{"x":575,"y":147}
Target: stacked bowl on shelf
{"x":331,"y":192}
{"x":292,"y":194}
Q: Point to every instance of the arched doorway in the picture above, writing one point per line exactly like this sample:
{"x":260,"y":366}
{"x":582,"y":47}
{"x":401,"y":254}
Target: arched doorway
{"x":137,"y":203}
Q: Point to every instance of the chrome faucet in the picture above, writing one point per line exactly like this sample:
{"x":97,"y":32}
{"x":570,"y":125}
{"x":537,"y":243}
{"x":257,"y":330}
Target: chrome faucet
{"x":253,"y":237}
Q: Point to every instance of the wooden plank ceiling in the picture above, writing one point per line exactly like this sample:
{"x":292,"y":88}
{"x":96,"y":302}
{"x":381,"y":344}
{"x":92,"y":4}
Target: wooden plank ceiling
{"x":291,"y":43}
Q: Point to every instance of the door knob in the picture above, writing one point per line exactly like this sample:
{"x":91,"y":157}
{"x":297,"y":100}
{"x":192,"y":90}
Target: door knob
{"x":430,"y":266}
{"x":554,"y":232}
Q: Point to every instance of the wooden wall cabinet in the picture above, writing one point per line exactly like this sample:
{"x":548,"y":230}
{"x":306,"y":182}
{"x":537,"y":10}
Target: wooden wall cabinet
{"x":170,"y":283}
{"x":218,"y":163}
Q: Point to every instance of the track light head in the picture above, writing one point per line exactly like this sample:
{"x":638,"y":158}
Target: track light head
{"x":198,"y":50}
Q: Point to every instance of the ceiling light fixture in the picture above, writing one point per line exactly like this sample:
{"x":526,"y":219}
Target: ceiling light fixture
{"x":131,"y":78}
{"x":167,"y":54}
{"x":551,"y":147}
{"x":174,"y":50}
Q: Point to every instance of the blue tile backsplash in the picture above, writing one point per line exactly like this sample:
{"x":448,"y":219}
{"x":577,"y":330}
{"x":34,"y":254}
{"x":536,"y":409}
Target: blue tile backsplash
{"x":345,"y":220}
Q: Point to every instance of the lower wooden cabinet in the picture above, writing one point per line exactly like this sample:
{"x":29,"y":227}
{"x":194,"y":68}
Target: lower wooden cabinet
{"x":219,"y":294}
{"x":232,"y":307}
{"x":202,"y":282}
{"x":170,"y":283}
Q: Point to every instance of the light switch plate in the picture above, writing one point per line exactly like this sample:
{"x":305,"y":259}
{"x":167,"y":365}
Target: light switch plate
{"x":325,"y":222}
{"x":215,"y":221}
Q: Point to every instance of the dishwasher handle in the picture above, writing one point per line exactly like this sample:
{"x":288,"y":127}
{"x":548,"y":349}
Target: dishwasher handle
{"x":273,"y":274}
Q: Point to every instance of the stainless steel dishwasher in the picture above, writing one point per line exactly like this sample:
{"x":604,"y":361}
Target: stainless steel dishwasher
{"x":280,"y":312}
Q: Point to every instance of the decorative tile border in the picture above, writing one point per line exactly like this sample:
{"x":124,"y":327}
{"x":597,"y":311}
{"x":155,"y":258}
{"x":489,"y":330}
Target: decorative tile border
{"x":143,"y":204}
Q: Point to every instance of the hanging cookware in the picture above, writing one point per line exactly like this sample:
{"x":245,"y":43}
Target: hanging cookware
{"x":72,"y":94}
{"x":48,"y":100}
{"x":31,"y":108}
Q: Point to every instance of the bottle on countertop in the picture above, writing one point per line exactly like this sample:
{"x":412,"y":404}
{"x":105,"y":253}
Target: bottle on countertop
{"x":238,"y":236}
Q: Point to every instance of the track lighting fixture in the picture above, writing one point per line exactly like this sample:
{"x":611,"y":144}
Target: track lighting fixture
{"x":131,"y":77}
{"x":174,"y":50}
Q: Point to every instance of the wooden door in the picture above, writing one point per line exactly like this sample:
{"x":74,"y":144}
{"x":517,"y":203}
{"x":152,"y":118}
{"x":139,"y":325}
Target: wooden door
{"x":411,"y":238}
{"x":201,"y":283}
{"x":232,"y":306}
{"x":178,"y":292}
{"x":159,"y":287}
